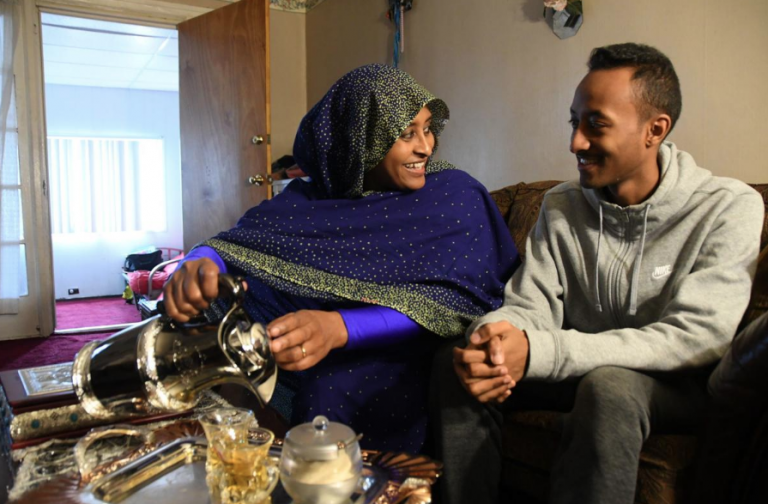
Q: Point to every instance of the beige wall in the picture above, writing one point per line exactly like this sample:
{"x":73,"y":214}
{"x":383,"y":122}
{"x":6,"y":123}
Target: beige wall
{"x":342,"y":35}
{"x":509,"y":81}
{"x":288,"y":72}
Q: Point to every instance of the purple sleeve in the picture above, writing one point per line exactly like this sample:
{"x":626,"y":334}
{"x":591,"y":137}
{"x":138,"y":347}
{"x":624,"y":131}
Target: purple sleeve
{"x":367,"y":327}
{"x":204,"y":251}
{"x":378,"y":326}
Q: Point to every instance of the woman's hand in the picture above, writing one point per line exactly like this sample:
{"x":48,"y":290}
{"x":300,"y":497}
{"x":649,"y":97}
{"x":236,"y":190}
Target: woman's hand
{"x":191,"y":288}
{"x":303,"y":338}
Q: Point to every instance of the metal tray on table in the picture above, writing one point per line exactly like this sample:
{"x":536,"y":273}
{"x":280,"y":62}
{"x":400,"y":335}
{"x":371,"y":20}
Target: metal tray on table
{"x":175,"y":474}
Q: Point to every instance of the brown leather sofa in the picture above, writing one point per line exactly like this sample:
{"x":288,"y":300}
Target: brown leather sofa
{"x":669,"y":464}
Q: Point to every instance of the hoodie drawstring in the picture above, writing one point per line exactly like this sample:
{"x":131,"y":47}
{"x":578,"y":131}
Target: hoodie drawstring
{"x":598,"y":306}
{"x":636,"y":270}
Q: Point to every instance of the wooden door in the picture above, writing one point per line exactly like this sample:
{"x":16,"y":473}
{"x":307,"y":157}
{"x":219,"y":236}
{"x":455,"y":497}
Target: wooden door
{"x":224,"y":114}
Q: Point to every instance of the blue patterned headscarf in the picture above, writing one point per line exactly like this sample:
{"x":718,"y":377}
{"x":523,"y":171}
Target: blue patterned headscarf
{"x":352,"y":128}
{"x":441,"y":255}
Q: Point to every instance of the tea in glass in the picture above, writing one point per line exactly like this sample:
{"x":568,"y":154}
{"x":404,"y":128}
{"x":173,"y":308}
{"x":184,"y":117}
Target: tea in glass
{"x":238,"y":469}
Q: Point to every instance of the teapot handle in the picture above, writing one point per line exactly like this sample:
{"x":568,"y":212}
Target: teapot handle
{"x":230,"y":287}
{"x":235,"y":286}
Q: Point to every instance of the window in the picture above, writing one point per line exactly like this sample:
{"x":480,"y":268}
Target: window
{"x":13,"y":264}
{"x":106,"y":185}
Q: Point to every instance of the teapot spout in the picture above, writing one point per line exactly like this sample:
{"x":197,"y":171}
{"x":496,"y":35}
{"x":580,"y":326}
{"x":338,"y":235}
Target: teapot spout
{"x":264,"y":388}
{"x":246,"y":346}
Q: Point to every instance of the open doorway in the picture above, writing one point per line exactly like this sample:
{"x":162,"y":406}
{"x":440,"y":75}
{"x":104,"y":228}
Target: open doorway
{"x":112,"y":118}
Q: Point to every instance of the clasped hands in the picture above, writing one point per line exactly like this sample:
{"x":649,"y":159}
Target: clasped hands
{"x":299,"y":340}
{"x":493,"y":362}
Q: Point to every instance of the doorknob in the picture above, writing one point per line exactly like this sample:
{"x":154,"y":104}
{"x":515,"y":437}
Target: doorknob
{"x":258,"y":140}
{"x":257,"y":180}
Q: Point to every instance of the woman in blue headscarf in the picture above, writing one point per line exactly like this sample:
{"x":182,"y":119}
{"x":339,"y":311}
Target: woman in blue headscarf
{"x":361,"y":271}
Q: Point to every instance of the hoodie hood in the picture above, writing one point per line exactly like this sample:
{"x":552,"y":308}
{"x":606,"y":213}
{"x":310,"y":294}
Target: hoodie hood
{"x":680,"y":178}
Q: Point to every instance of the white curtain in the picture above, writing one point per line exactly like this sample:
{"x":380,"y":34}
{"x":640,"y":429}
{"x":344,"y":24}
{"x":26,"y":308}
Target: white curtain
{"x":13,"y":281}
{"x":106,"y":185}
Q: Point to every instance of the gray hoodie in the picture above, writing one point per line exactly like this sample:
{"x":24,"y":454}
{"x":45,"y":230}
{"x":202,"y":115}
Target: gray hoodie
{"x":657,"y":286}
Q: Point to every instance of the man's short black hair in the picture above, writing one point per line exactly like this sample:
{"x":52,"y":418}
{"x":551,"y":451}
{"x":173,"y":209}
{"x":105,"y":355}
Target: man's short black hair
{"x":659,"y":87}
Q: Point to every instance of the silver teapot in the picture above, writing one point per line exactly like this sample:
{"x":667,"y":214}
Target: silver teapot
{"x":160,"y":365}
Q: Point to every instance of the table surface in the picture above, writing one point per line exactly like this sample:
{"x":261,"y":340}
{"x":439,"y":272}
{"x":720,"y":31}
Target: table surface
{"x":398,"y":474}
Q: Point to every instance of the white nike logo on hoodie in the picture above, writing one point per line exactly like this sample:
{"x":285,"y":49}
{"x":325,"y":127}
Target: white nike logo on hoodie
{"x":661,"y":271}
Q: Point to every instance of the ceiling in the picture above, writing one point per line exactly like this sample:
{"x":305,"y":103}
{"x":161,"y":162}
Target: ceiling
{"x":89,"y":52}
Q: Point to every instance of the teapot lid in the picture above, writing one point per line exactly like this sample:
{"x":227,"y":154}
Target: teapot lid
{"x":319,"y":440}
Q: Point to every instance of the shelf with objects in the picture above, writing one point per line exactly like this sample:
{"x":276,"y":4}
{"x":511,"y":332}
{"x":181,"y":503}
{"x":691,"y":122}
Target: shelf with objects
{"x":284,"y":171}
{"x":145,"y":273}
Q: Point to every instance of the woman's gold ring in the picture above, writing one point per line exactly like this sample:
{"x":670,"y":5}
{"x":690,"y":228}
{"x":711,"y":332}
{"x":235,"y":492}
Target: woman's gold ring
{"x":303,"y":351}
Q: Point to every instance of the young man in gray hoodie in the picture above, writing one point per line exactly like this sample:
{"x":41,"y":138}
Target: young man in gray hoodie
{"x":635,"y":280}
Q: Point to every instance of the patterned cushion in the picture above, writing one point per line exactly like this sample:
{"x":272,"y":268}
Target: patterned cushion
{"x":520,"y":204}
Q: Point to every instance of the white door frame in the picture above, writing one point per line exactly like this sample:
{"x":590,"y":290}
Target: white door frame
{"x":36,"y":315}
{"x":36,"y":310}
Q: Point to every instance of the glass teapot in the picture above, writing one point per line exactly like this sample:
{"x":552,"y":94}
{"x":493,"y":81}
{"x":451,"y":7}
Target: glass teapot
{"x":321,"y":462}
{"x":162,"y":365}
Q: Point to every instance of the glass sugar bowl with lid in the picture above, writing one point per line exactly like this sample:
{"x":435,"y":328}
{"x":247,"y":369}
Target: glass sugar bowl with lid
{"x":321,"y":462}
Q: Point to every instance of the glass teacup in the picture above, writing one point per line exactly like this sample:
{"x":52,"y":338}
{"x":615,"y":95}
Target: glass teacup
{"x":238,"y":466}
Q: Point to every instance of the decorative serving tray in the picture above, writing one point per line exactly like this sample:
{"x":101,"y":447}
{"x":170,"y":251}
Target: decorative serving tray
{"x":173,"y":472}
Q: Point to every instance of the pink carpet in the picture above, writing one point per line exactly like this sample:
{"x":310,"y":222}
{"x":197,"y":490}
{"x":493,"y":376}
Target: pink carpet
{"x":72,"y":314}
{"x":17,"y":354}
